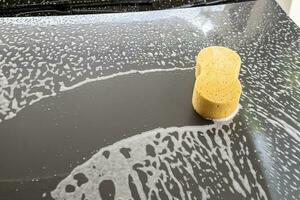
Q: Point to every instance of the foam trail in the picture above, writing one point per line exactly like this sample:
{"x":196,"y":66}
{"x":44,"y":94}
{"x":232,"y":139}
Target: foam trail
{"x":89,"y":80}
{"x":175,"y":163}
{"x":11,"y":105}
{"x":288,"y":128}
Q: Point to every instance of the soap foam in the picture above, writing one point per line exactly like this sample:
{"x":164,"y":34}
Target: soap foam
{"x":34,"y":57}
{"x":177,"y":162}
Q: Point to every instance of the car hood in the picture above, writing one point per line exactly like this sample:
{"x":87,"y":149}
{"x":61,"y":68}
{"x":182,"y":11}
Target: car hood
{"x":47,"y":58}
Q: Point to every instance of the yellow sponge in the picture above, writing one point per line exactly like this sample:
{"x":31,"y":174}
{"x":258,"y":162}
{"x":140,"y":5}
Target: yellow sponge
{"x":216,"y":98}
{"x":217,"y":89}
{"x":217,"y":59}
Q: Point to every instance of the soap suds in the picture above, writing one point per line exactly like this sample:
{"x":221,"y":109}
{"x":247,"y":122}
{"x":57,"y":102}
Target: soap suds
{"x":64,"y":88}
{"x":34,"y":53}
{"x":180,"y":162}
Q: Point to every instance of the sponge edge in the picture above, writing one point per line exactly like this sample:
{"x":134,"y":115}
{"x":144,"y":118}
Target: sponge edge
{"x":216,"y":98}
{"x":217,"y":59}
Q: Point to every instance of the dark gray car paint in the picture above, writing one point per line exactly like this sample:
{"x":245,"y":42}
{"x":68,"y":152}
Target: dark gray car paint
{"x":46,"y":140}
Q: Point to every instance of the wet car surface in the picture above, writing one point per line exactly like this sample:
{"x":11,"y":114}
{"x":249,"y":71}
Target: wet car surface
{"x":91,"y":91}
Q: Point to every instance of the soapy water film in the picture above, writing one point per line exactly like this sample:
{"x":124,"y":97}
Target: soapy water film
{"x":41,"y":61}
{"x":171,"y":163}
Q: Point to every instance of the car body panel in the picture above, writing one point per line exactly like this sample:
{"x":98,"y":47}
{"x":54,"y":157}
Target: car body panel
{"x":71,"y":85}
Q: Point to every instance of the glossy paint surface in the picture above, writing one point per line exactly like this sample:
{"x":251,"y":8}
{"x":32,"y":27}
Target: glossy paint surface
{"x":92,"y":90}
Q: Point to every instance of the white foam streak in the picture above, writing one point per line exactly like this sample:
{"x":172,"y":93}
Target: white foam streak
{"x":288,"y":128}
{"x":89,"y":80}
{"x":118,"y":169}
